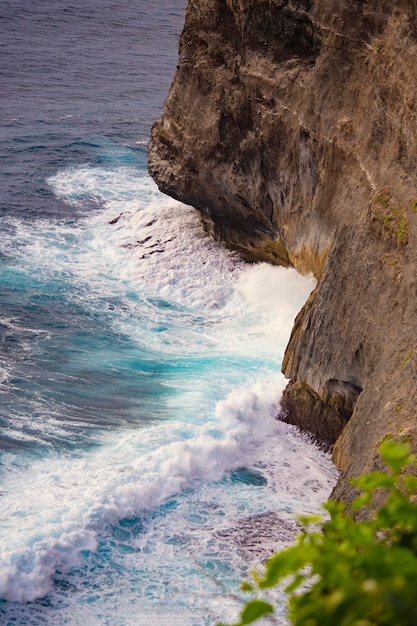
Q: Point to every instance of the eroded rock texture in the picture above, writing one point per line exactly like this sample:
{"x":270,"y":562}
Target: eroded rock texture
{"x":292,"y":127}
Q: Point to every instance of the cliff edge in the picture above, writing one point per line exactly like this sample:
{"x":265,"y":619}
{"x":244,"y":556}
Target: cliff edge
{"x":292,"y":127}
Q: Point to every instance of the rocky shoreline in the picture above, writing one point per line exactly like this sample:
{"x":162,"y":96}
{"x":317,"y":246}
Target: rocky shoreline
{"x":292,"y":128}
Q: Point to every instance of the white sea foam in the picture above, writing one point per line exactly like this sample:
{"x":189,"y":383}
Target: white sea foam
{"x":279,"y":292}
{"x":157,"y":248}
{"x":65,"y":504}
{"x":145,"y":262}
{"x":154,"y":240}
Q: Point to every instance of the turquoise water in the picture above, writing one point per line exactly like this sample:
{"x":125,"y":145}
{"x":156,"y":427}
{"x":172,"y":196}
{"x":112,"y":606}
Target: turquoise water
{"x":143,"y":471}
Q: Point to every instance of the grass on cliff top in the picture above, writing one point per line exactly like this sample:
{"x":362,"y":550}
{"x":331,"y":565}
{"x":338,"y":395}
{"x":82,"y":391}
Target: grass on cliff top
{"x":345,"y":572}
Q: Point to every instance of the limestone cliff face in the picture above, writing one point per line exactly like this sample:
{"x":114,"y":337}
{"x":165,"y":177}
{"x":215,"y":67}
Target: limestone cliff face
{"x":292,"y":127}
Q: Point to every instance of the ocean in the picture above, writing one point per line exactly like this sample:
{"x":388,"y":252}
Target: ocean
{"x":143,"y":472}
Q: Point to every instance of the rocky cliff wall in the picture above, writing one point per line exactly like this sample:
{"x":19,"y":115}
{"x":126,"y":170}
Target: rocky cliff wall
{"x":292,"y":127}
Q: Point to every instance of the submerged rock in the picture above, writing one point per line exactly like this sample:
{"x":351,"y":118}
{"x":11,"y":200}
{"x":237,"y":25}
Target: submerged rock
{"x":292,"y":127}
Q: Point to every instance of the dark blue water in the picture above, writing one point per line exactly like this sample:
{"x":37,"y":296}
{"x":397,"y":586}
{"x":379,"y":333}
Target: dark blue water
{"x":143,"y":472}
{"x":72,"y":73}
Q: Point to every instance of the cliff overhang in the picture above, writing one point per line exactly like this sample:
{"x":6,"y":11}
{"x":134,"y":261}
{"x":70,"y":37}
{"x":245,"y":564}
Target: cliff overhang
{"x":292,"y":127}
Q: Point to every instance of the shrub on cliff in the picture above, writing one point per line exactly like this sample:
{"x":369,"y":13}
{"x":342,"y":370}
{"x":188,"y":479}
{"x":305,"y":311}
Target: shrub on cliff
{"x":345,"y":572}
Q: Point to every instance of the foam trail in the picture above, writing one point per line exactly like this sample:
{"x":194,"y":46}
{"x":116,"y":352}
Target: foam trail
{"x":145,"y":295}
{"x":68,"y":502}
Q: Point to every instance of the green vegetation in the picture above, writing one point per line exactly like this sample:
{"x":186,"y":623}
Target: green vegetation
{"x":353,"y":572}
{"x":384,"y":199}
{"x":392,"y":217}
{"x":164,"y":134}
{"x":395,"y":222}
{"x":402,"y":226}
{"x":407,"y":358}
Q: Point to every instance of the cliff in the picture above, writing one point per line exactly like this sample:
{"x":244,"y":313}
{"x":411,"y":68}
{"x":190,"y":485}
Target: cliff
{"x":292,"y":127}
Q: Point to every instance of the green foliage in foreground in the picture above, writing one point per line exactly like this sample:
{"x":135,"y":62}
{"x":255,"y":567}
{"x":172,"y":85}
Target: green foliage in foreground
{"x":343,"y":572}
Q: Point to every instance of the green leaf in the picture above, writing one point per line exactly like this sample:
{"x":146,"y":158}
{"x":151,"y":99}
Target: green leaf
{"x":255,"y":609}
{"x":245,"y":586}
{"x":298,"y":580}
{"x":361,"y":501}
{"x":351,"y":571}
{"x":335,"y":507}
{"x":307,"y":520}
{"x":411,"y":483}
{"x":396,"y":455}
{"x":283,"y":563}
{"x":374,"y":480}
{"x":362,"y":535}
